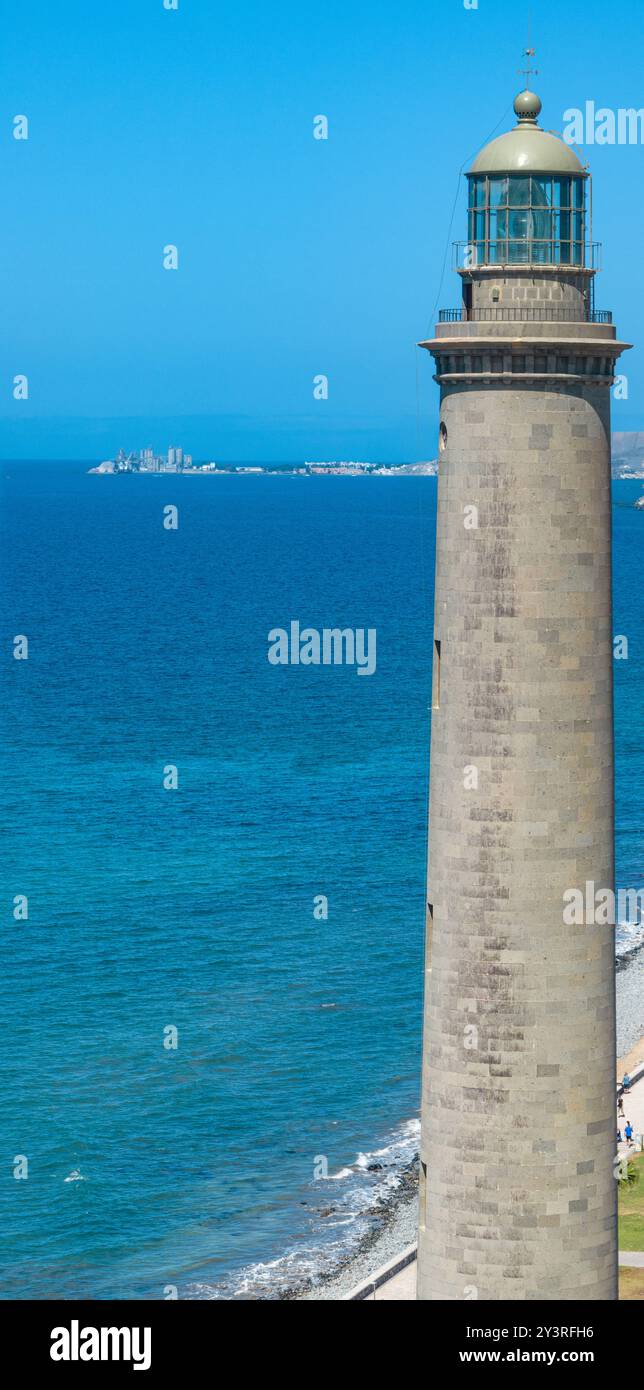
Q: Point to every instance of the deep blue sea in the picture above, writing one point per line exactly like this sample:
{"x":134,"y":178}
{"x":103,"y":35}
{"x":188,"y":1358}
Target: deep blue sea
{"x":298,"y":1038}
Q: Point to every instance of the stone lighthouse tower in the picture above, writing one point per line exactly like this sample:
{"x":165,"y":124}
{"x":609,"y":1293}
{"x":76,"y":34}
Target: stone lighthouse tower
{"x":518,"y":1190}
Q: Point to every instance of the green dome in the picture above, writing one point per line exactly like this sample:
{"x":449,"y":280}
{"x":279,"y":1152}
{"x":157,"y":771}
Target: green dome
{"x":527,"y":149}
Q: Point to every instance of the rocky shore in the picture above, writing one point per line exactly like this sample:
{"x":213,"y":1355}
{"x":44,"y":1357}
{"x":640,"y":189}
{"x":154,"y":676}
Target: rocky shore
{"x":630,"y":1002}
{"x":394,"y":1229}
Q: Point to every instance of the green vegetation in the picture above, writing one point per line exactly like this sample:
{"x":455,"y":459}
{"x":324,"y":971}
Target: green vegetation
{"x":631,"y":1209}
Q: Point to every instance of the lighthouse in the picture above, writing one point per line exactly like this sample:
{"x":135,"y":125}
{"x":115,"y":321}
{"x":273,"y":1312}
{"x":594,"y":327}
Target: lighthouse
{"x":518,"y":1171}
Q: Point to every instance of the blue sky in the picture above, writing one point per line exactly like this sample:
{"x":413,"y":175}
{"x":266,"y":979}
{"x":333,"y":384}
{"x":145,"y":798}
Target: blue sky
{"x":296,"y":256}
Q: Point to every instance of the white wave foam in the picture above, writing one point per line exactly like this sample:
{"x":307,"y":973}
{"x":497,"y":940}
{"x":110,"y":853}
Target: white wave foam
{"x":629,"y":937}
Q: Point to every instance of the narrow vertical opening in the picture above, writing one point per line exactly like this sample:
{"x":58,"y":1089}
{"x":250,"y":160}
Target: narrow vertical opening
{"x":436,"y":682}
{"x":467,"y":299}
{"x":422,"y":1195}
{"x":429,"y":937}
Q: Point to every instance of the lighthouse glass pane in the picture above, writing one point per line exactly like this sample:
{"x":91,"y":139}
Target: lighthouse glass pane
{"x":478,"y":193}
{"x":519,"y":230}
{"x":498,"y":192}
{"x":520,"y":223}
{"x":562,"y":237}
{"x":519,"y":193}
{"x":541,"y":192}
{"x":540,"y":225}
{"x":476,"y":234}
{"x":498,"y":236}
{"x":562,"y":193}
{"x":541,"y":238}
{"x":579,"y":192}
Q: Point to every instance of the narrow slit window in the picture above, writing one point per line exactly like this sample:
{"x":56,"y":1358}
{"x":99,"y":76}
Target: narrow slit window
{"x":436,"y":684}
{"x":422,"y":1194}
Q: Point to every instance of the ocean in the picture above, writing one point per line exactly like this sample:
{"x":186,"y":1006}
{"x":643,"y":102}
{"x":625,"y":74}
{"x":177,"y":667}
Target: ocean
{"x":255,"y":1152}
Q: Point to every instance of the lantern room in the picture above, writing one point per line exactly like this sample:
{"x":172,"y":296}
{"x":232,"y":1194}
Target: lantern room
{"x":527,"y":197}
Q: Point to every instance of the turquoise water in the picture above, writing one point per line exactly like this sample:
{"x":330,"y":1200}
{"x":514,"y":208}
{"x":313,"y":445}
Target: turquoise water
{"x":298,"y":1039}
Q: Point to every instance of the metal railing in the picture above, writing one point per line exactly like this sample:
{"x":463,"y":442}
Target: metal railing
{"x":531,"y":252}
{"x":524,"y":314}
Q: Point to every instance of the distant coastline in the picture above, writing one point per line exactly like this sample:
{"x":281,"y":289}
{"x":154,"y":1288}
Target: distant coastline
{"x":343,"y":468}
{"x":627,"y":463}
